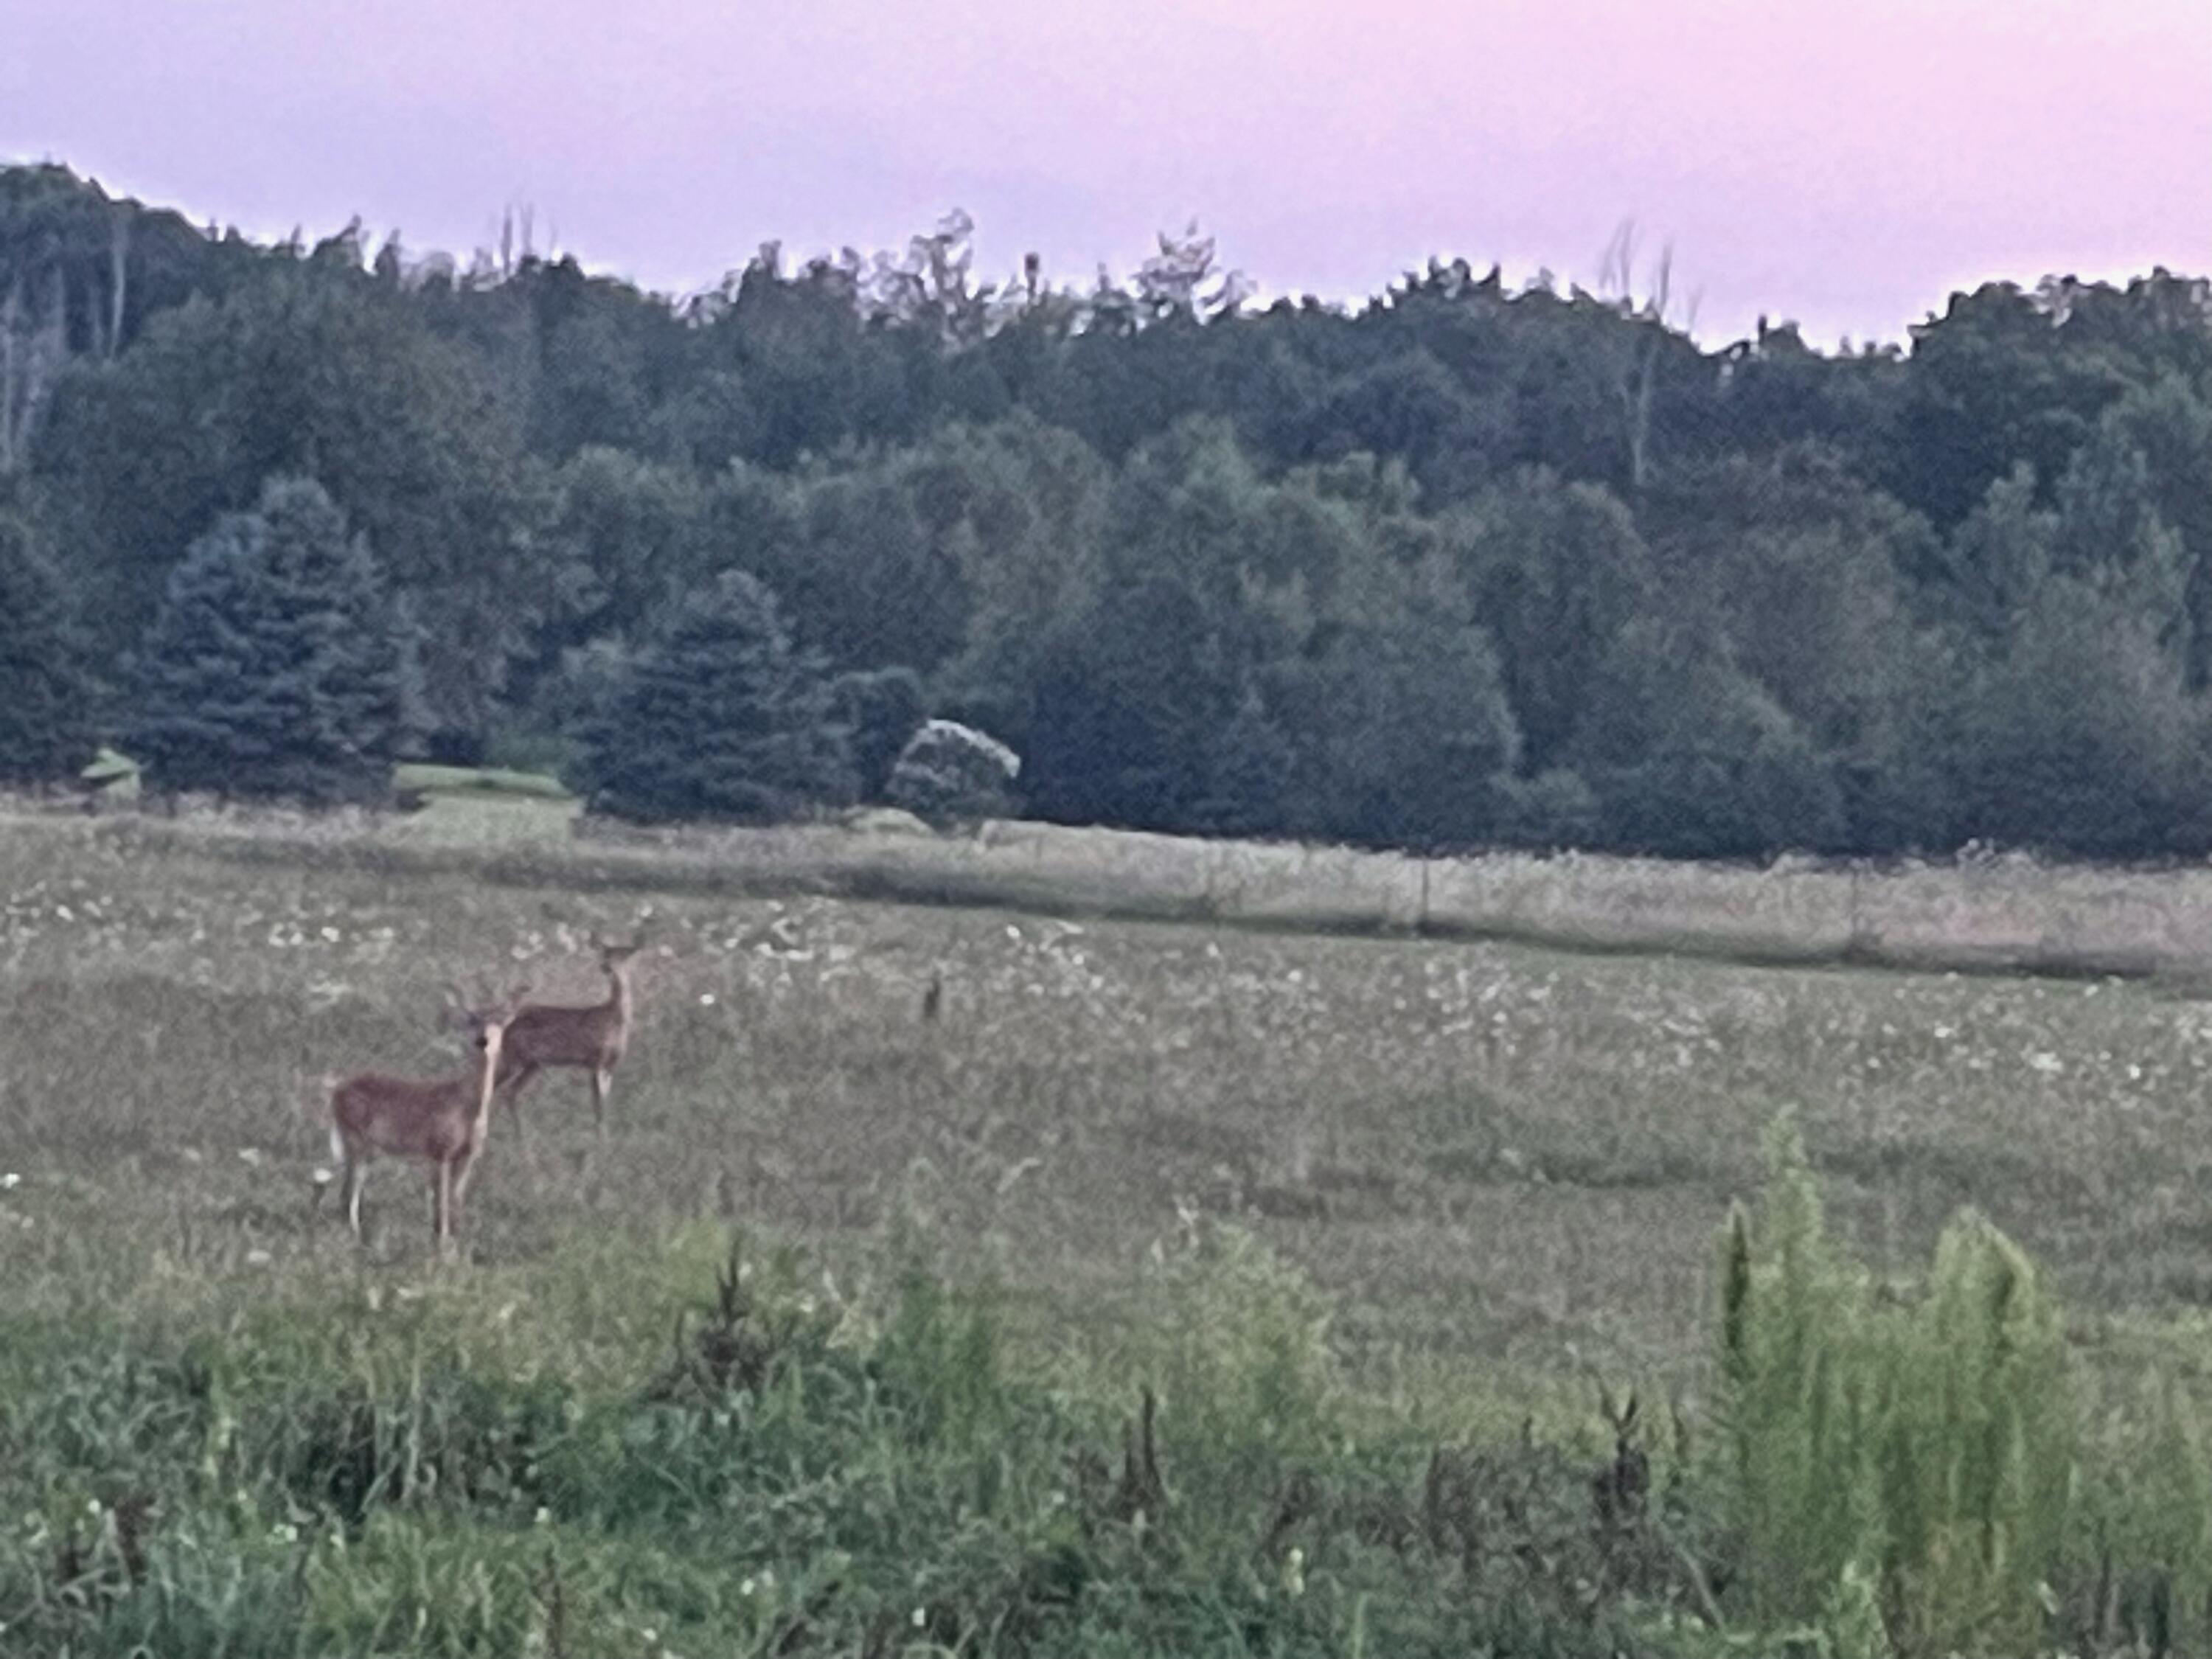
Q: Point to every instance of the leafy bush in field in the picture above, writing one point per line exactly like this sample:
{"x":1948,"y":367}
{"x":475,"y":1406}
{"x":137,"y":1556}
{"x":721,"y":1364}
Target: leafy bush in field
{"x":950,"y":772}
{"x":2139,"y":1560}
{"x":1928,"y":1446}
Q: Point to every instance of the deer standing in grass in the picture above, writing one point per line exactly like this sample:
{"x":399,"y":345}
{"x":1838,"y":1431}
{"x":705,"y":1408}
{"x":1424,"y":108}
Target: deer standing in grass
{"x":442,"y":1122}
{"x":593,"y":1038}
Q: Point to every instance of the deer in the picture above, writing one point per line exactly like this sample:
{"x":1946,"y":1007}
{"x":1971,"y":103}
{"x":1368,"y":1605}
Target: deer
{"x":593,"y":1038}
{"x":443,"y":1121}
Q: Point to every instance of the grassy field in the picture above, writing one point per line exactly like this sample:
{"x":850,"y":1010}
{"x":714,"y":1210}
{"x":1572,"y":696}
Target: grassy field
{"x":1498,"y":1169}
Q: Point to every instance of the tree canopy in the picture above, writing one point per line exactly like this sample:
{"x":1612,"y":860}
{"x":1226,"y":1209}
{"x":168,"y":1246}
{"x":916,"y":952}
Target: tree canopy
{"x":1469,"y":562}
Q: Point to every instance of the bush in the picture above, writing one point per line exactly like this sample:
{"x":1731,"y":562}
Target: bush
{"x":952,"y":773}
{"x":1929,"y":1444}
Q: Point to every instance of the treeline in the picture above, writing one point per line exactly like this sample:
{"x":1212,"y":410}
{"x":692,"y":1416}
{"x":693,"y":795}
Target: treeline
{"x":1472,"y":564}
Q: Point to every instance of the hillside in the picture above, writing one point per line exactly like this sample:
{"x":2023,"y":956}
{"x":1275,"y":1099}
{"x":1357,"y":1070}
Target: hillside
{"x":1466,"y":566}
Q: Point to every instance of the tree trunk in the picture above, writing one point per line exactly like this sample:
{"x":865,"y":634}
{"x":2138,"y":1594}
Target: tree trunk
{"x":10,"y":309}
{"x":118,"y":272}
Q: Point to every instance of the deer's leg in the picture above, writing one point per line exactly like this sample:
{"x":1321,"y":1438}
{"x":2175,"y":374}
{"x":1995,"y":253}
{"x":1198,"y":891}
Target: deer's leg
{"x":603,"y":1077}
{"x":464,"y":1167}
{"x":517,"y":1081}
{"x":355,"y":1173}
{"x":443,"y":1219}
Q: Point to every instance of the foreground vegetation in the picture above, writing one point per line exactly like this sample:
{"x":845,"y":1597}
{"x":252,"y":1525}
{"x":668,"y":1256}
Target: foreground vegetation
{"x":1388,"y":1232}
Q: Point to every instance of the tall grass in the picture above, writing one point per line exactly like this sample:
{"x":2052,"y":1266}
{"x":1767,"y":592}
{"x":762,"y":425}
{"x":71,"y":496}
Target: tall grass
{"x":793,"y":1473}
{"x":1179,"y":1289}
{"x":1924,"y":1455}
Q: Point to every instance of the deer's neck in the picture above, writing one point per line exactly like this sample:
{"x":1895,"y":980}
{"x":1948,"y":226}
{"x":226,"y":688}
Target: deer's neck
{"x":618,"y":996}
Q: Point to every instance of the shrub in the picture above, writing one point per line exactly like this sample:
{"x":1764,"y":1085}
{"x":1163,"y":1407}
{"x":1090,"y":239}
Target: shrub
{"x":952,"y":772}
{"x":1930,"y":1443}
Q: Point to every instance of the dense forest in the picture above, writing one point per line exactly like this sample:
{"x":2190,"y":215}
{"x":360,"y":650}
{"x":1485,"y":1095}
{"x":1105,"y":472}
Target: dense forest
{"x":1471,"y":564}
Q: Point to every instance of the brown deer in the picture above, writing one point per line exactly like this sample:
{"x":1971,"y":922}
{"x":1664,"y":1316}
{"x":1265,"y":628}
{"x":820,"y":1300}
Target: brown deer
{"x":442,"y":1122}
{"x":593,"y":1038}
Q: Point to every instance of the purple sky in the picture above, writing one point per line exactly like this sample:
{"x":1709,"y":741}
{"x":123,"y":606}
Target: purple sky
{"x":1845,"y":163}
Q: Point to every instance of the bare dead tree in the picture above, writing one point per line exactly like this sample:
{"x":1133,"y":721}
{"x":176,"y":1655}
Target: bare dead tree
{"x":34,"y":345}
{"x":1651,"y":319}
{"x":119,"y":276}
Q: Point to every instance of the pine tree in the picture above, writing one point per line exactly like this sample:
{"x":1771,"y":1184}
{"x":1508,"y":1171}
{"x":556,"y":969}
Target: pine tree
{"x":46,"y":697}
{"x":720,"y":715}
{"x":882,"y":709}
{"x":278,"y":666}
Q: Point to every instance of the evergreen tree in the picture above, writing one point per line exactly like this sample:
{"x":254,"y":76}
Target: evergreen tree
{"x":882,"y":709}
{"x":47,"y":710}
{"x":720,"y":715}
{"x":277,"y":667}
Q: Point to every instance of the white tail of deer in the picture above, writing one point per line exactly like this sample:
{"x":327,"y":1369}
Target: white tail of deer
{"x":442,"y":1122}
{"x":593,"y":1039}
